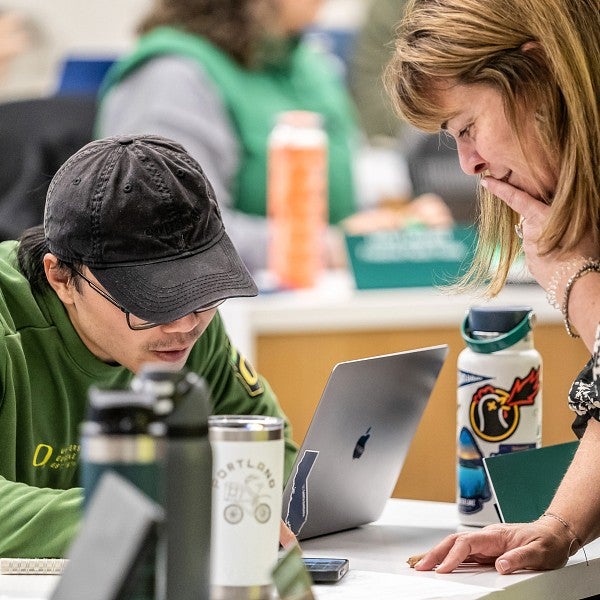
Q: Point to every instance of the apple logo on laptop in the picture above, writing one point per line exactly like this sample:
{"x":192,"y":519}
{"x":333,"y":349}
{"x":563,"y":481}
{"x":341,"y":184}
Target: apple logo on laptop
{"x":360,"y":445}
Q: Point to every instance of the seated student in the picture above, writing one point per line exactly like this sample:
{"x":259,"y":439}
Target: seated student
{"x":372,"y":50}
{"x":14,"y":38}
{"x":213,"y":75}
{"x":129,"y":268}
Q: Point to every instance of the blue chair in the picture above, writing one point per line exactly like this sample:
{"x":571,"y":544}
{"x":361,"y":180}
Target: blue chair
{"x":82,"y":75}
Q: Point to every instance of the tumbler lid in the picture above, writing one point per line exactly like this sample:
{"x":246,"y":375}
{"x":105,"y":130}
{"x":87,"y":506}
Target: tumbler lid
{"x":510,"y":324}
{"x":499,"y":319}
{"x":256,"y":428}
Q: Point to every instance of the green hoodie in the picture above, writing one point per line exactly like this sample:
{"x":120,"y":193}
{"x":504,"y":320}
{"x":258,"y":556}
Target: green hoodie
{"x":45,"y":373}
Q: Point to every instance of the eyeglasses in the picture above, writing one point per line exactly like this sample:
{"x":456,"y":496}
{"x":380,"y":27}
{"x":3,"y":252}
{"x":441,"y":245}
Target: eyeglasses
{"x":134,"y":322}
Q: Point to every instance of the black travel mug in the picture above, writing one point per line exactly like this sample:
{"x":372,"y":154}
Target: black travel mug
{"x":117,"y":435}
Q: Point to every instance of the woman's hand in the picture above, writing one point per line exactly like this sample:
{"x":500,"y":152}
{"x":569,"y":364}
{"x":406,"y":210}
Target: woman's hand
{"x":428,"y":210}
{"x":534,"y":214}
{"x":541,"y":545}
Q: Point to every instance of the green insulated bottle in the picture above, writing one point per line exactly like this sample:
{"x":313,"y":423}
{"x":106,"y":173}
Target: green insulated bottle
{"x":116,"y":436}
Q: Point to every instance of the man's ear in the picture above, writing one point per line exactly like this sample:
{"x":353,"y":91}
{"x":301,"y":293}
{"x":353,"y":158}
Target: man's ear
{"x":59,"y":279}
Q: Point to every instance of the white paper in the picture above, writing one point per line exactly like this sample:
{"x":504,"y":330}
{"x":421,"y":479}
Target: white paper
{"x":21,"y":597}
{"x":391,"y":586}
{"x":3,"y":597}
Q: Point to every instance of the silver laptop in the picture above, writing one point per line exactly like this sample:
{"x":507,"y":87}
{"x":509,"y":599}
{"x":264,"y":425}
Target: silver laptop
{"x":358,"y":439}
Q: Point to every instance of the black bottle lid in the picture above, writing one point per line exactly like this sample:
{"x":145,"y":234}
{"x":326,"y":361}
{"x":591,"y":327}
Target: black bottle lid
{"x":498,"y":319}
{"x":112,"y":411}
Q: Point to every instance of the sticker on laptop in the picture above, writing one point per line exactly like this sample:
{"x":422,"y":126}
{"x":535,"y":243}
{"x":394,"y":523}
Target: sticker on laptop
{"x":297,"y":510}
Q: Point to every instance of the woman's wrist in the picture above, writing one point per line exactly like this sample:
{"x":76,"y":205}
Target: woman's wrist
{"x":565,"y":539}
{"x":575,"y":542}
{"x":561,"y":285}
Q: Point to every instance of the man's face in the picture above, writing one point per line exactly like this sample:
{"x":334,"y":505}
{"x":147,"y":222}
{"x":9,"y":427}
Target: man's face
{"x":103,"y":327}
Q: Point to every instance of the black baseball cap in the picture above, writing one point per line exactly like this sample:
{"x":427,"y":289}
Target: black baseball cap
{"x":140,"y":213}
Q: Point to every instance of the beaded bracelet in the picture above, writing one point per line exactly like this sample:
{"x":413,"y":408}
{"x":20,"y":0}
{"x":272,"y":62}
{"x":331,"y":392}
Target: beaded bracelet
{"x":589,"y":266}
{"x":562,"y":273}
{"x":573,"y":269}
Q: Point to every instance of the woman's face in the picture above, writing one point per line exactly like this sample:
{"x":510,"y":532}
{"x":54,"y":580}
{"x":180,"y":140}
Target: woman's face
{"x":487,"y":144}
{"x":295,"y":15}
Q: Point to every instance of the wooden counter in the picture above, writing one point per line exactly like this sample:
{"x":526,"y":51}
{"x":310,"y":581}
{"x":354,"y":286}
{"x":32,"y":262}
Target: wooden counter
{"x":294,"y":339}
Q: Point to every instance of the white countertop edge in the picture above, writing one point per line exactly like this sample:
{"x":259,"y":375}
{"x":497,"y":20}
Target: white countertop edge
{"x":340,"y":307}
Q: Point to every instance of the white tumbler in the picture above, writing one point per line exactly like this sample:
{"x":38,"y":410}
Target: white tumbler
{"x":246,"y":504}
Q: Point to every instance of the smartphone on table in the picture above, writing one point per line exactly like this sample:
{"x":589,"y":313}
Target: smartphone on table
{"x":326,"y":570}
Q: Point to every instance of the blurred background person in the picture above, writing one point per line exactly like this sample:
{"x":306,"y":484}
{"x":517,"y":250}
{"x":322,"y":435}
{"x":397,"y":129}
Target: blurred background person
{"x":213,"y":75}
{"x":372,"y":50}
{"x":14,"y":38}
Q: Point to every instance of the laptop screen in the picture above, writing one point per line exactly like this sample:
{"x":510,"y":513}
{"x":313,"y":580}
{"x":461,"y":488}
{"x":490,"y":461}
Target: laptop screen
{"x":358,"y":440}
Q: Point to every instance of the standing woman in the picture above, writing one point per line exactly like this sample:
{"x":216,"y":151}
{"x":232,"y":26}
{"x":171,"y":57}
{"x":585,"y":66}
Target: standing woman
{"x":213,"y":75}
{"x":516,"y":84}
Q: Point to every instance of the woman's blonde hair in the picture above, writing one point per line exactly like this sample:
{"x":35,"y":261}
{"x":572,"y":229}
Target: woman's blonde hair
{"x":540,"y":55}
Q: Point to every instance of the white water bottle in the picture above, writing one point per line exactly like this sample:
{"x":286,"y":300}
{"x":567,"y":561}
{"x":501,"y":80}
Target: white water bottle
{"x":499,"y":401}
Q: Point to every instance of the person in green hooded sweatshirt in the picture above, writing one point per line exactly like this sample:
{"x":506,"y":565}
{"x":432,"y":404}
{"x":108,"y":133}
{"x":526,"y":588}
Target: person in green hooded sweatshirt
{"x":128,"y":268}
{"x":213,"y":75}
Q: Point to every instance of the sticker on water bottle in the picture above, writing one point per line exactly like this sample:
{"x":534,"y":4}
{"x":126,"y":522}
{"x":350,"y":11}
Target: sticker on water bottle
{"x":494,"y":416}
{"x":472,"y":480}
{"x":494,"y":413}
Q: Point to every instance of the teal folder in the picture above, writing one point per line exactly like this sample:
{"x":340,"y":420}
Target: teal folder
{"x":524,"y":482}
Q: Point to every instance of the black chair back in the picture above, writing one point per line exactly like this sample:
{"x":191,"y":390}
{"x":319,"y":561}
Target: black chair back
{"x":433,"y":167}
{"x":36,"y":137}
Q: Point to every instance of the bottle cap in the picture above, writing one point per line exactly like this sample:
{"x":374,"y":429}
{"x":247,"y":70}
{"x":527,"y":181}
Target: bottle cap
{"x":489,"y":329}
{"x":114,"y":411}
{"x":300,"y":118}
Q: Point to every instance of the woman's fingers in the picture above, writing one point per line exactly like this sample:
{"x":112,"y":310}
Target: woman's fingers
{"x":509,"y":547}
{"x":521,"y":202}
{"x":436,"y":555}
{"x":482,"y":547}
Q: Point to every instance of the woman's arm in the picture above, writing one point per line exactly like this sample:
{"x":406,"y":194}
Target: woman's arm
{"x":577,"y":499}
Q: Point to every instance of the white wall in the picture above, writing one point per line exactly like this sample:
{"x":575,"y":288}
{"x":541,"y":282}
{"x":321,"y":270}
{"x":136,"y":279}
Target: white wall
{"x":343,"y":13}
{"x":60,"y":27}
